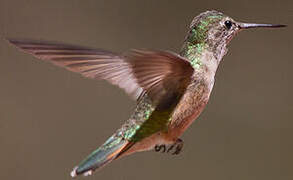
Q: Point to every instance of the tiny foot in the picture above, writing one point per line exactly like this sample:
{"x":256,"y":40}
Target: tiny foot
{"x":159,"y":147}
{"x":176,"y":147}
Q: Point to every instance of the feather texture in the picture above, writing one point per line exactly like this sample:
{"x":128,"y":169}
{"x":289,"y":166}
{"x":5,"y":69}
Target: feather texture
{"x":91,"y":63}
{"x":160,"y":73}
{"x":138,"y":72}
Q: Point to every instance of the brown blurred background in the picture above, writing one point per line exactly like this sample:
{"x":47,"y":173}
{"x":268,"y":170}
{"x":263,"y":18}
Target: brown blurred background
{"x":50,"y":119}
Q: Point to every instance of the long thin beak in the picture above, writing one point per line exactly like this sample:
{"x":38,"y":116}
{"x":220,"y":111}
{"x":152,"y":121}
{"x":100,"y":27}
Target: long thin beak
{"x":252,"y":25}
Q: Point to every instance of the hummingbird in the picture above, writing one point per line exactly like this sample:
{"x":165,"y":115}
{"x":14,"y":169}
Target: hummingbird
{"x":171,"y":90}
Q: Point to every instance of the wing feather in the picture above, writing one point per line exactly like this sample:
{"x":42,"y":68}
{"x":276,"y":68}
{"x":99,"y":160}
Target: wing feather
{"x":156,"y":73}
{"x":160,"y":73}
{"x":91,"y":63}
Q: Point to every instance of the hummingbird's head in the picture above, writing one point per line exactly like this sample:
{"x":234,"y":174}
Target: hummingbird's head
{"x":212,"y":27}
{"x":215,"y":30}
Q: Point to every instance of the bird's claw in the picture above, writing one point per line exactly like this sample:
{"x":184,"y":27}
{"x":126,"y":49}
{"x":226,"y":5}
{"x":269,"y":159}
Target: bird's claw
{"x":177,"y":147}
{"x":159,"y":147}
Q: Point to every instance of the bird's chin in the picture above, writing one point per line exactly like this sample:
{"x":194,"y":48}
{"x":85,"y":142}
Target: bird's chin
{"x":232,"y":35}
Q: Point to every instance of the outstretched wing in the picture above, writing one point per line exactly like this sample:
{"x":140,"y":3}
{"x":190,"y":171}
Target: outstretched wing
{"x":157,"y":73}
{"x":91,"y":63}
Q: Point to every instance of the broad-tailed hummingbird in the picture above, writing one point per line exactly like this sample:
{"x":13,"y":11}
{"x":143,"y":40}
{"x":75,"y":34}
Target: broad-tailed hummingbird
{"x":171,"y":89}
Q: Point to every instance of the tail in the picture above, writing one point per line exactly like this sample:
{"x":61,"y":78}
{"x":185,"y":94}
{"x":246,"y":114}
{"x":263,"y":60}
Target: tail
{"x":109,"y":151}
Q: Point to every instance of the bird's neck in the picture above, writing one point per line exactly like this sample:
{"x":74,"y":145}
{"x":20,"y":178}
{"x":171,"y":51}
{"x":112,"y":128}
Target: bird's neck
{"x":203,"y":57}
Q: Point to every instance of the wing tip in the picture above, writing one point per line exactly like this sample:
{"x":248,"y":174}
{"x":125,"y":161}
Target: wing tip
{"x":20,"y":42}
{"x":16,"y":42}
{"x":10,"y":41}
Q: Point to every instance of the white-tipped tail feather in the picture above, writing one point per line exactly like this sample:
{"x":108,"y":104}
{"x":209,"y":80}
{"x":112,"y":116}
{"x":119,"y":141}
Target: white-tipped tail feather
{"x":109,"y":151}
{"x":73,"y":172}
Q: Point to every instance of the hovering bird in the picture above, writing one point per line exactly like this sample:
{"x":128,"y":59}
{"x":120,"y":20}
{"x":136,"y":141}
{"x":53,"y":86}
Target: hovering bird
{"x":171,"y":89}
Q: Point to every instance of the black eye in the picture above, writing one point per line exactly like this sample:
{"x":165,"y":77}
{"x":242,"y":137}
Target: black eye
{"x":228,"y":24}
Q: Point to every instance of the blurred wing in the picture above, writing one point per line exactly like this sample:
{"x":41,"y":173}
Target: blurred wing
{"x":91,"y":63}
{"x":161,"y":74}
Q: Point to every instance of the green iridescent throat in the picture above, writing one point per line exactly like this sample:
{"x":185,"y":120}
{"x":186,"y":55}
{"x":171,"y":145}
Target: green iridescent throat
{"x":193,"y":53}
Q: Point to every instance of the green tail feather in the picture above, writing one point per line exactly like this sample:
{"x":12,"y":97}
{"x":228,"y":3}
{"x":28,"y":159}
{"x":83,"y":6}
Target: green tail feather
{"x":100,"y":157}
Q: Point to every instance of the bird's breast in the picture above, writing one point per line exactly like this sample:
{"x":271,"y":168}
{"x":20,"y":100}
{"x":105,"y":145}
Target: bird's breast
{"x":189,"y":107}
